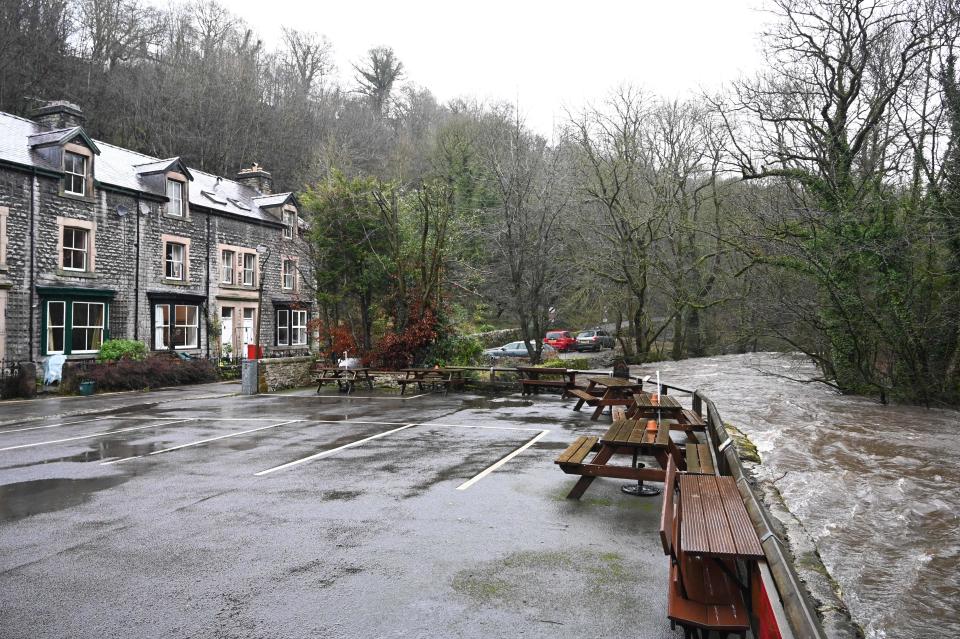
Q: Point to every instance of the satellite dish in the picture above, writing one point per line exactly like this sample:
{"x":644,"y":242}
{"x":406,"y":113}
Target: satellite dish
{"x":144,"y":208}
{"x":122,"y":210}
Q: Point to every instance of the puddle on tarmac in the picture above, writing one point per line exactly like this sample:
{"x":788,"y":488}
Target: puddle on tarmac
{"x":489,"y":403}
{"x":48,"y":495}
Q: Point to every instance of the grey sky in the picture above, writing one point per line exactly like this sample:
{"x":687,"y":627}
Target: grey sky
{"x":545,"y":55}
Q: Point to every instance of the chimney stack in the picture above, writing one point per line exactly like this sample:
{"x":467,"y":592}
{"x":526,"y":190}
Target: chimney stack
{"x":58,"y":114}
{"x":257,"y":178}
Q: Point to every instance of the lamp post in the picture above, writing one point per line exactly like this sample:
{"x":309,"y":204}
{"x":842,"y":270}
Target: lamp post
{"x":264,"y":252}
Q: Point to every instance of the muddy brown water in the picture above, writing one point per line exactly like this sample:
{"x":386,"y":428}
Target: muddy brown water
{"x":876,"y":487}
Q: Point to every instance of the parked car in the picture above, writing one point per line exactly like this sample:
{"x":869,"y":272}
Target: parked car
{"x":594,"y":340}
{"x":518,"y":349}
{"x":563,"y":341}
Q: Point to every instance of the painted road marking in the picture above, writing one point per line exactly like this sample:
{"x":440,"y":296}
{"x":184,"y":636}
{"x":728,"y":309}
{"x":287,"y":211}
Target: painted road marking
{"x":199,"y":442}
{"x":101,"y":434}
{"x":471,"y":482}
{"x":397,"y":398}
{"x":79,"y":421}
{"x":332,"y":450}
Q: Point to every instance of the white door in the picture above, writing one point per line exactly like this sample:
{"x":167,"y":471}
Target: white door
{"x":226,"y":332}
{"x":248,"y":314}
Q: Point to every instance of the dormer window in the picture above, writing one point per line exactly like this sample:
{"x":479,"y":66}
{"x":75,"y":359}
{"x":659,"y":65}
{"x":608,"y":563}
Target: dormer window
{"x":175,"y":195}
{"x":289,"y":224}
{"x":74,"y":173}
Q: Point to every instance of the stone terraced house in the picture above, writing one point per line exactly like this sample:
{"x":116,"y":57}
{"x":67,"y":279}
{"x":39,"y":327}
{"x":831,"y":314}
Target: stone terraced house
{"x":100,"y":242}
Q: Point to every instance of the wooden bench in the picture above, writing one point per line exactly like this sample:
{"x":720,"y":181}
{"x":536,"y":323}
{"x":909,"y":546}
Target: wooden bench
{"x":532,"y":379}
{"x":698,"y":459}
{"x":583,"y":397}
{"x":693,"y":419}
{"x":572,"y":457}
{"x":701,"y":596}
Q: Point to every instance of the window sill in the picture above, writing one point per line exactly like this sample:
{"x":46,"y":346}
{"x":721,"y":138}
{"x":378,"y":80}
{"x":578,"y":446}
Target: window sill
{"x":89,"y":199}
{"x":83,"y":274}
{"x":176,"y":282}
{"x":182,"y":218}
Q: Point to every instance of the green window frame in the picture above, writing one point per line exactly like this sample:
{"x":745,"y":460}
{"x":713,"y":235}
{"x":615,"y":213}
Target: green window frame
{"x":81,"y":337}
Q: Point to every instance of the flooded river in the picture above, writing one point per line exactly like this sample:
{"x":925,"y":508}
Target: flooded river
{"x":876,"y":487}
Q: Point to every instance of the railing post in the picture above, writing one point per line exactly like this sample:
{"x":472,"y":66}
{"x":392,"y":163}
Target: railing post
{"x":697,"y":404}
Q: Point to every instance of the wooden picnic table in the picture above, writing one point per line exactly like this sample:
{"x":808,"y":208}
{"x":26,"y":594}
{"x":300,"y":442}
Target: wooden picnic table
{"x":422,"y":377}
{"x":532,"y":378}
{"x":616,"y":391}
{"x":646,"y":405}
{"x":627,"y":436}
{"x":344,"y":378}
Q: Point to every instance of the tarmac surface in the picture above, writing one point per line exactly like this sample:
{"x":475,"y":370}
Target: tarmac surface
{"x":194,"y":512}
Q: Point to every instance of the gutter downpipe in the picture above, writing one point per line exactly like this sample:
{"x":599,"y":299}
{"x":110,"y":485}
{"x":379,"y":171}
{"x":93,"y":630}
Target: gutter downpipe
{"x":206,"y":306}
{"x":33,"y":253}
{"x":136,"y":277}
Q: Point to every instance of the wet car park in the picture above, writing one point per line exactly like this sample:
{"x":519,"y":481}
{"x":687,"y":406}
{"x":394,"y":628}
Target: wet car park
{"x":204,"y":514}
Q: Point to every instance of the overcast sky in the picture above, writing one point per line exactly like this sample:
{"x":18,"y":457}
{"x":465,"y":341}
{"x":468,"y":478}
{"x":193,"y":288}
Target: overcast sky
{"x":542,"y":55}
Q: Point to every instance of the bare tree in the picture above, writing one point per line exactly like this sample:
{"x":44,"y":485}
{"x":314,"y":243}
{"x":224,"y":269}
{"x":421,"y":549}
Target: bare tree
{"x":377,"y":75}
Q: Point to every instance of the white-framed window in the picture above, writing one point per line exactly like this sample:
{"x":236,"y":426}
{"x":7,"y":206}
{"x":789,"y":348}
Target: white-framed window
{"x":56,"y":326}
{"x":186,"y":326}
{"x":283,"y":327}
{"x":228,"y":270}
{"x":75,"y":248}
{"x":174,"y":256}
{"x":86,"y":333}
{"x":161,"y":327}
{"x":289,"y":224}
{"x":298,"y":328}
{"x":289,"y":275}
{"x":175,"y":195}
{"x":179,"y":330}
{"x":249,"y":269}
{"x":74,"y":173}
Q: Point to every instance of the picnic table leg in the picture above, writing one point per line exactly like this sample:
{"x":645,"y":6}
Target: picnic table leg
{"x":601,"y":405}
{"x":602,"y":457}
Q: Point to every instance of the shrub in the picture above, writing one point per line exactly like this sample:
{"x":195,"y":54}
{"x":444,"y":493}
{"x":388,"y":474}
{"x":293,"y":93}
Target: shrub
{"x":154,"y":372}
{"x":113,"y":350}
{"x":574,"y":364}
{"x":454,"y":350}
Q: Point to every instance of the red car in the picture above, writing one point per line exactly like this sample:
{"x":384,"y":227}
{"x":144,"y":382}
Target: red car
{"x":563,"y":341}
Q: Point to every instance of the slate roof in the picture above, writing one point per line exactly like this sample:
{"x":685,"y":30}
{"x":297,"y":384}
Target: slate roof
{"x":116,"y":166}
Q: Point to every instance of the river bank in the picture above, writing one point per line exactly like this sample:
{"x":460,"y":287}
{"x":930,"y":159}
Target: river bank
{"x":873,"y":487}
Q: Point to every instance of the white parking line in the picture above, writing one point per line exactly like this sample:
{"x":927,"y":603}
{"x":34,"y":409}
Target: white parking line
{"x":100,"y":434}
{"x":394,"y":399}
{"x":198,"y":442}
{"x":79,"y":421}
{"x":332,"y":450}
{"x":471,"y":482}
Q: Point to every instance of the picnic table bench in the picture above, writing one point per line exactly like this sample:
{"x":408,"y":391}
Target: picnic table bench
{"x":533,"y":378}
{"x":344,"y":378}
{"x":423,"y":377}
{"x":705,"y":532}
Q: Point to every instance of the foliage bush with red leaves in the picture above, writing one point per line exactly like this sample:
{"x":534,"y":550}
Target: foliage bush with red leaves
{"x":401,"y":350}
{"x":153,"y":372}
{"x":333,"y":340}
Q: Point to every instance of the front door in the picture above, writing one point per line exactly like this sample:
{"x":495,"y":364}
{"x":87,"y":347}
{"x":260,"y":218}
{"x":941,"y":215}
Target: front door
{"x":247,"y":336}
{"x":226,"y":332}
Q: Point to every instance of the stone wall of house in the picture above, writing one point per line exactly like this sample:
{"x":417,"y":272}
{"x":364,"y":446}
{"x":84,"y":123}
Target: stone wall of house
{"x":114,"y":218}
{"x":286,"y":372}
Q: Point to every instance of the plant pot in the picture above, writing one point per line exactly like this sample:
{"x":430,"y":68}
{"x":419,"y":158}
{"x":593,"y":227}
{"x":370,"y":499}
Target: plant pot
{"x":86,"y":388}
